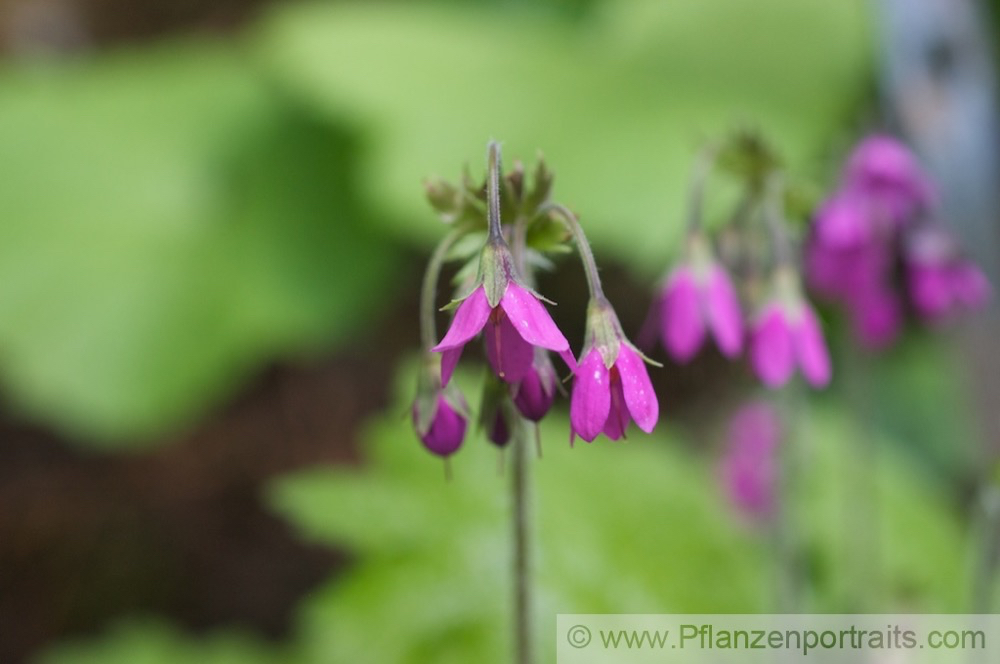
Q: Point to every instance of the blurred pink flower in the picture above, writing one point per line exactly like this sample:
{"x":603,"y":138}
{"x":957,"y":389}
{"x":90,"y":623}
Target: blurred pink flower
{"x":748,"y":468}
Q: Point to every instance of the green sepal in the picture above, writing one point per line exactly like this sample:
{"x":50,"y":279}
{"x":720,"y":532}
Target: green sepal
{"x":604,"y":332}
{"x":495,"y":269}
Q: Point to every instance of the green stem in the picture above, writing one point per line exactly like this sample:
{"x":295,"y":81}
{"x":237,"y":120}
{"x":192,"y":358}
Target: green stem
{"x":702,"y":168}
{"x":985,"y":575}
{"x":428,"y":292}
{"x":774,"y":216}
{"x":582,"y":248}
{"x":522,"y":529}
{"x":493,"y":192}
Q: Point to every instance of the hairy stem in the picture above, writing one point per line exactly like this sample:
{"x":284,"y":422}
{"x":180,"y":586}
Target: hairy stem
{"x":582,"y":248}
{"x":428,"y":292}
{"x":493,"y":192}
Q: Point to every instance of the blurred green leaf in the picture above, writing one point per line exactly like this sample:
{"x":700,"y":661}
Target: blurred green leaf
{"x":619,"y":103}
{"x":169,"y":223}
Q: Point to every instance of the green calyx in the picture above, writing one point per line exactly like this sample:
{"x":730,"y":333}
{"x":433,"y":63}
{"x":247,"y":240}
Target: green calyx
{"x":604,"y":332}
{"x":496,"y":267}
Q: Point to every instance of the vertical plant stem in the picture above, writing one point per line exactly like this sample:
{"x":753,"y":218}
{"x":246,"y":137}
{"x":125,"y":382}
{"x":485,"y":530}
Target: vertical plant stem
{"x":522,"y":542}
{"x":493,"y":192}
{"x":702,"y":168}
{"x":788,"y":581}
{"x":985,"y":577}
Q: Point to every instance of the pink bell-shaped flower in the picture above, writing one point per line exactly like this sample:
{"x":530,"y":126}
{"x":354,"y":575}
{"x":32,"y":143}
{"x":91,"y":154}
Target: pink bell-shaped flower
{"x":611,"y":385}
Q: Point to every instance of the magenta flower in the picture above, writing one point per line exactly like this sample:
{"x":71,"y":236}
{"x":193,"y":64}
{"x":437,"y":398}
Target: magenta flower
{"x":885,"y":173}
{"x":749,"y":466}
{"x":876,"y":316}
{"x":785,"y":334}
{"x":695,"y":302}
{"x":940,"y":281}
{"x":611,"y":385}
{"x":441,"y":433}
{"x":514,"y":319}
{"x":844,"y":220}
{"x":536,"y":392}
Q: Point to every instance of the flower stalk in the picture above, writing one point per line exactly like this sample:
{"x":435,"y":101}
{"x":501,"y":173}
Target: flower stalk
{"x":428,"y":291}
{"x":582,"y":248}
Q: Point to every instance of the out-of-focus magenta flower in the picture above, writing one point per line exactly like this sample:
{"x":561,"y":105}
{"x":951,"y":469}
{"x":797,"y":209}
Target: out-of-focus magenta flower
{"x":515,"y":324}
{"x":748,"y":468}
{"x":787,"y":334}
{"x":611,"y":385}
{"x":697,"y":299}
{"x":886,"y":175}
{"x":443,"y":432}
{"x":845,"y":272}
{"x":843,"y":221}
{"x":876,"y":316}
{"x":536,"y":392}
{"x":940,"y":281}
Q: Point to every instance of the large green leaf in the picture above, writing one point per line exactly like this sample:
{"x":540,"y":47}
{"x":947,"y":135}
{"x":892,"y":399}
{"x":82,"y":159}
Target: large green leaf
{"x":619,"y":103}
{"x":169,"y":222}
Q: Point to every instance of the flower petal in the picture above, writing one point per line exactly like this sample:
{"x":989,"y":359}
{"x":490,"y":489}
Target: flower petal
{"x":683,"y":327}
{"x":468,"y":321}
{"x":447,"y":430}
{"x":591,"y":400}
{"x":637,"y":388}
{"x":614,"y":427}
{"x":531,"y":320}
{"x":811,"y":349}
{"x":449,"y":359}
{"x":771,"y":352}
{"x":509,"y":354}
{"x":843,"y":220}
{"x":722,"y":308}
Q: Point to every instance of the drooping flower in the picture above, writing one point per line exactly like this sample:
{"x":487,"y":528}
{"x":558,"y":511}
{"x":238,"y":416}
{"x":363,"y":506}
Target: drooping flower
{"x":536,"y":392}
{"x":698,"y":297}
{"x":887,"y":176}
{"x":611,"y":385}
{"x":512,"y":317}
{"x":748,"y":468}
{"x":939,"y":279}
{"x":785,"y":334}
{"x":440,"y":414}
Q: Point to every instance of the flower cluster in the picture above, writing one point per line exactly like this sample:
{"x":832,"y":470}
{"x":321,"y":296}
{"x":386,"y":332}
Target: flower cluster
{"x":697,"y":298}
{"x":877,"y":246}
{"x":498,"y":304}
